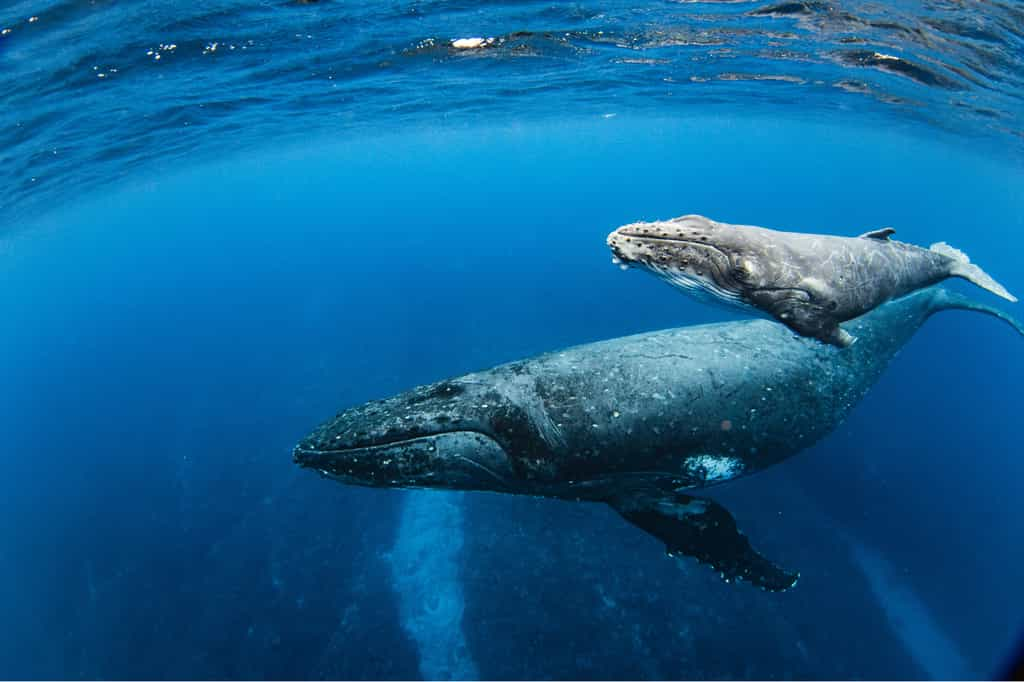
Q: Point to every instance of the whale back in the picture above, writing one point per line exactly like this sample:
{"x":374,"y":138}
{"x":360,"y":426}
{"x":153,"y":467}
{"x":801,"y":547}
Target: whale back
{"x":702,"y":404}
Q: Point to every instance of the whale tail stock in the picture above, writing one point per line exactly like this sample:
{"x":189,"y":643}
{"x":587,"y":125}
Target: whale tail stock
{"x":703,"y":529}
{"x":963,"y":267}
{"x":944,"y":299}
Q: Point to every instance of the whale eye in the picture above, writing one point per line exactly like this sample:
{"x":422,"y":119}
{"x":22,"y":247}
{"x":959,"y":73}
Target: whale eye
{"x":743,"y":271}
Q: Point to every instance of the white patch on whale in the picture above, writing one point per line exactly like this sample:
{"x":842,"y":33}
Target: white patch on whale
{"x":713,"y":468}
{"x":471,"y":43}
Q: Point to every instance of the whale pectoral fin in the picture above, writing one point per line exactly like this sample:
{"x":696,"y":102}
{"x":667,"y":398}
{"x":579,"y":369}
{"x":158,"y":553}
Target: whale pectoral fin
{"x":705,"y":530}
{"x":881,"y":235}
{"x":807,"y":322}
{"x":841,"y":338}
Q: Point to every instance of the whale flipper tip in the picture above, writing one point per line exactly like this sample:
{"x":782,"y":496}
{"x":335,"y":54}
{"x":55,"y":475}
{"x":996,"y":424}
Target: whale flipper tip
{"x":844,"y":339}
{"x":705,"y":530}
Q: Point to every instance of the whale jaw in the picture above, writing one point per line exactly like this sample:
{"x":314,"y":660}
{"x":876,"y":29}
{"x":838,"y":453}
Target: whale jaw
{"x":689,"y":254}
{"x":452,"y":460}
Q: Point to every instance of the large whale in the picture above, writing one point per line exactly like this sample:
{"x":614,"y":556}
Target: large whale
{"x":809,"y":282}
{"x":638,"y":422}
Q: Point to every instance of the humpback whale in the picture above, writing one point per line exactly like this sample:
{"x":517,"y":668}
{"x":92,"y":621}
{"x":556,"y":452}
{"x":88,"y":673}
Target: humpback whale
{"x":640,"y":423}
{"x":808,"y":282}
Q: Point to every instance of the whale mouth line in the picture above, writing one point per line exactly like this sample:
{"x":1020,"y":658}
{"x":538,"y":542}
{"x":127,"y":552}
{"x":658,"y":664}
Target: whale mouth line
{"x":325,"y":460}
{"x":301,"y":454}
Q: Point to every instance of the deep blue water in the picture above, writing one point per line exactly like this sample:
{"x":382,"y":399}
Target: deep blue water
{"x":181,"y":304}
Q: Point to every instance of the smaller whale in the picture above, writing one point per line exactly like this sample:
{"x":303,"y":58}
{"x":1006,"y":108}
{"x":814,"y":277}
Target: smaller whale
{"x":808,"y":282}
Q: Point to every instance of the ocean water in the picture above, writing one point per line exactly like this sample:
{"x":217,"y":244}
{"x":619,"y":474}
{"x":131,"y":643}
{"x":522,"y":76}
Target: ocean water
{"x":303,"y":206}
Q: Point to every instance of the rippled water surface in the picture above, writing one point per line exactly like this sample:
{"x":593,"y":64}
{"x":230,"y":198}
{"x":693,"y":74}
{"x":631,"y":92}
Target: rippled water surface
{"x":94,"y":91}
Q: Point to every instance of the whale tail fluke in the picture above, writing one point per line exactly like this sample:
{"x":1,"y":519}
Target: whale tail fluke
{"x":705,"y":530}
{"x":963,"y":267}
{"x":944,"y":299}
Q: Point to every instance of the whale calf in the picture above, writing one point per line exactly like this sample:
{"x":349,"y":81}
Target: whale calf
{"x":639,"y":423}
{"x":809,"y":282}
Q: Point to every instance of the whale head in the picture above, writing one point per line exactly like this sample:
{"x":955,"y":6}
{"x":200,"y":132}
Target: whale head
{"x":706,"y":259}
{"x":439,"y":436}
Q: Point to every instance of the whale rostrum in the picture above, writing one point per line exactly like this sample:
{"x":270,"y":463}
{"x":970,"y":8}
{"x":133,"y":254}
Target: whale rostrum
{"x":642,"y":423}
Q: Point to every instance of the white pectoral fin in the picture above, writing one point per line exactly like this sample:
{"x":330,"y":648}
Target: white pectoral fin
{"x":843,"y":338}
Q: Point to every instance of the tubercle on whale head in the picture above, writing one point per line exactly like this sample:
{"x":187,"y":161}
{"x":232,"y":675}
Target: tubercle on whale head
{"x":636,"y":242}
{"x":692,"y":253}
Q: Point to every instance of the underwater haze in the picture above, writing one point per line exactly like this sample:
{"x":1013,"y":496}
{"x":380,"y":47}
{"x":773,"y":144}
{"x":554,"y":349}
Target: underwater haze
{"x":302,"y":206}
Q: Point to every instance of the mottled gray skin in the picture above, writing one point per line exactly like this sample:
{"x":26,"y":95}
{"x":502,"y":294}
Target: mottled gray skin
{"x":809,"y":282}
{"x":630,"y":421}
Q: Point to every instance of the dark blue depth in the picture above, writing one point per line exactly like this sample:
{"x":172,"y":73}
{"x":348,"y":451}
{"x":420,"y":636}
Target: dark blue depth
{"x":166,"y":344}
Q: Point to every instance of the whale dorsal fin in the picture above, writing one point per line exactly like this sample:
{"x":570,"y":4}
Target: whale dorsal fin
{"x":702,"y":529}
{"x":881,"y":235}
